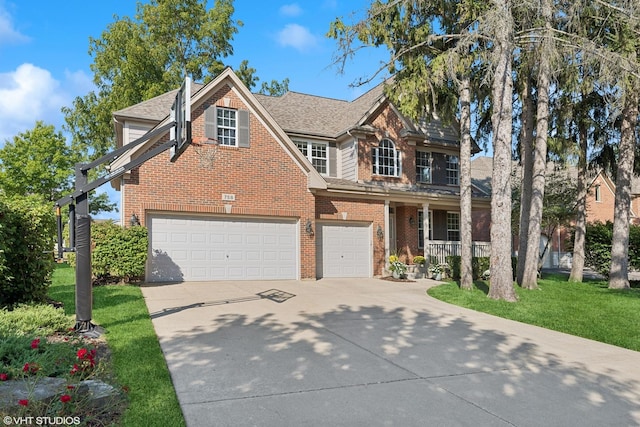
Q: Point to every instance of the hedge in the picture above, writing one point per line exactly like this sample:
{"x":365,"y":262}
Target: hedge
{"x":27,"y":230}
{"x":478,"y":266}
{"x":597,"y":246}
{"x":118,"y":254}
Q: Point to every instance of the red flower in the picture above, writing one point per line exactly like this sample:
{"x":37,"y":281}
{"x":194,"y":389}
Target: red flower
{"x":65,"y":398}
{"x":3,"y":376}
{"x":82,"y":353}
{"x":35,"y":343}
{"x":30,"y":367}
{"x":74,"y":369}
{"x":70,"y":387}
{"x":23,"y":402}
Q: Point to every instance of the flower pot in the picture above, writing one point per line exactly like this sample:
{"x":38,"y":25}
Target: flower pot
{"x":438,"y":276}
{"x":395,"y":274}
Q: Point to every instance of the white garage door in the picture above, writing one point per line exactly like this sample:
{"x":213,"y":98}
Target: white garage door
{"x":344,"y":251}
{"x":193,"y":248}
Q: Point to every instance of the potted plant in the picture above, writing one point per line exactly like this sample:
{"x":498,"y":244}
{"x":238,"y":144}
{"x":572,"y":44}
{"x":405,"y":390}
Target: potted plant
{"x":435,"y":270}
{"x":419,"y":260}
{"x":397,"y":267}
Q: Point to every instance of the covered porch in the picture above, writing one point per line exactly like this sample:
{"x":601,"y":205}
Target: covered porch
{"x":431,"y":229}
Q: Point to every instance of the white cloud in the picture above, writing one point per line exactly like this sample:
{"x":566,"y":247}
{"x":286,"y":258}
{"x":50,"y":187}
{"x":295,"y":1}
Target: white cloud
{"x":28,"y":94}
{"x":8,"y":33}
{"x":297,"y":36}
{"x":291,"y":10}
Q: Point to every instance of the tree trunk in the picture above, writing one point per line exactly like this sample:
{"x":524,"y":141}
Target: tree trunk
{"x":577,"y":264}
{"x":526,"y":159}
{"x":532,"y":261}
{"x":619,"y":272}
{"x":466,"y":272}
{"x":501,"y":286}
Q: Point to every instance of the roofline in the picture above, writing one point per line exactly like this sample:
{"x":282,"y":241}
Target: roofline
{"x":314,"y":179}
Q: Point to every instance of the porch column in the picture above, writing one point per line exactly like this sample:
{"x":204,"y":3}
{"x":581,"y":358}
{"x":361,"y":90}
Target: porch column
{"x":386,"y":235}
{"x":425,"y":234}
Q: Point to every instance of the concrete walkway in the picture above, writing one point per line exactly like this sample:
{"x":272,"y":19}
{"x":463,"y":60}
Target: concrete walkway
{"x":369,"y":352}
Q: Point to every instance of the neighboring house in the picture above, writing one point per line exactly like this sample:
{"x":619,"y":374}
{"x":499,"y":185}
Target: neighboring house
{"x":290,"y":187}
{"x":599,"y":206}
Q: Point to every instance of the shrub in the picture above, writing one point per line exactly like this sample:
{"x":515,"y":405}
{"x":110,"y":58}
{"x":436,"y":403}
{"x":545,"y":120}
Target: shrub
{"x":597,"y":246}
{"x":34,"y":320}
{"x":478,"y":266}
{"x":27,"y":230}
{"x":118,"y":252}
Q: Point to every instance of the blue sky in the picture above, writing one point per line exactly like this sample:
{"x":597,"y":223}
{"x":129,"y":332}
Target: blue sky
{"x":44,"y":60}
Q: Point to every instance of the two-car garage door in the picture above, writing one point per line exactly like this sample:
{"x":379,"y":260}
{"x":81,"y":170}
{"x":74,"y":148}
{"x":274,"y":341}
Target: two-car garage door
{"x":198,"y":248}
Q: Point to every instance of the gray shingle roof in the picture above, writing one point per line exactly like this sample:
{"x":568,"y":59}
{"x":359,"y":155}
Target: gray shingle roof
{"x":154,"y":109}
{"x":315,"y":115}
{"x":301,"y":113}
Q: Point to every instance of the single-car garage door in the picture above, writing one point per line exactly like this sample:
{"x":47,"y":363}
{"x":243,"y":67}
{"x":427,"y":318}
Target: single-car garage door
{"x":344,"y":250}
{"x":197,"y":248}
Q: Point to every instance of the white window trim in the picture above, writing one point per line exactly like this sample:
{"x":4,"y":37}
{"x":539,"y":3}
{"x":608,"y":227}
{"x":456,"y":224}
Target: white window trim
{"x":456,"y":170}
{"x":397,"y":166}
{"x":309,"y":152}
{"x":221,"y":126}
{"x":430,"y":166}
{"x":452,"y":229}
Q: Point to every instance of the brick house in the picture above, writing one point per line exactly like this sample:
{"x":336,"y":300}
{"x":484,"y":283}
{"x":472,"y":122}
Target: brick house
{"x":599,"y":207}
{"x":290,"y":187}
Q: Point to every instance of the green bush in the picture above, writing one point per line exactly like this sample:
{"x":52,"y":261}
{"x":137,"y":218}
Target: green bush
{"x":41,"y":319}
{"x":597,"y":246}
{"x":478,"y":266}
{"x":118,"y":252}
{"x":27,"y":230}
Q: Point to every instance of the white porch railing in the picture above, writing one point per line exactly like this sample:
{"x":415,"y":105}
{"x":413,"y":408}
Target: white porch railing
{"x":440,"y":249}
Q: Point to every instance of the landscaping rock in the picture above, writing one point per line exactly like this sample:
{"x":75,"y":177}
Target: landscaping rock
{"x":44,"y":389}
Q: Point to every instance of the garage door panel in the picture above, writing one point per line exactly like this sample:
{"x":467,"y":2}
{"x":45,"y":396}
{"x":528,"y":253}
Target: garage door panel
{"x":209,"y":248}
{"x":345,"y":250}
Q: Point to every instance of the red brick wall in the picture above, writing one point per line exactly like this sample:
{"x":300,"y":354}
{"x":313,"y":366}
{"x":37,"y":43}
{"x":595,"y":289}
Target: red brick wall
{"x":600,"y":211}
{"x":371,"y":211}
{"x":263,"y":178}
{"x":389,"y":125}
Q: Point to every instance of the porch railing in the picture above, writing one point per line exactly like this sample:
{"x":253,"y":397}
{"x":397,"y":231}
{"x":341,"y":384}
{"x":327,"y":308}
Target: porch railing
{"x":440,"y":249}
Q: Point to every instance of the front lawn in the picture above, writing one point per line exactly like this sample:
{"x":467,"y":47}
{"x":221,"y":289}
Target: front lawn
{"x":137,"y":358}
{"x":588,"y":310}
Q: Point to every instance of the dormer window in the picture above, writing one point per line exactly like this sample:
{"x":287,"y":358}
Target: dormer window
{"x":386,"y":159}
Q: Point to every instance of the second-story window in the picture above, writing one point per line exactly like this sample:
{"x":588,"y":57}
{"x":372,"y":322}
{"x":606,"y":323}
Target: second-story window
{"x":386,"y":159}
{"x":423,"y":166}
{"x":453,"y":170}
{"x":598,"y":194}
{"x":316,"y":152}
{"x":226,"y":123}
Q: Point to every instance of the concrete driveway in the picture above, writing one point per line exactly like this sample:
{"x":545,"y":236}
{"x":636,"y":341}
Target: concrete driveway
{"x":369,"y":352}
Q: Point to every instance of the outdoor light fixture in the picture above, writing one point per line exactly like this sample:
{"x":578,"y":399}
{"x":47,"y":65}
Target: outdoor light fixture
{"x":379,"y":232}
{"x":412,"y":222}
{"x":133,"y":221}
{"x":308,"y":228}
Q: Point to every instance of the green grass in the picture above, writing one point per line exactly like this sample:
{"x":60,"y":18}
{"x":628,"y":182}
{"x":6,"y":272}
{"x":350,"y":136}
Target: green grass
{"x":588,"y":310}
{"x":138,"y":361}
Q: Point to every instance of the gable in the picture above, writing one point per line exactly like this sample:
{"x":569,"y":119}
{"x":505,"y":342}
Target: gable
{"x":227,"y":91}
